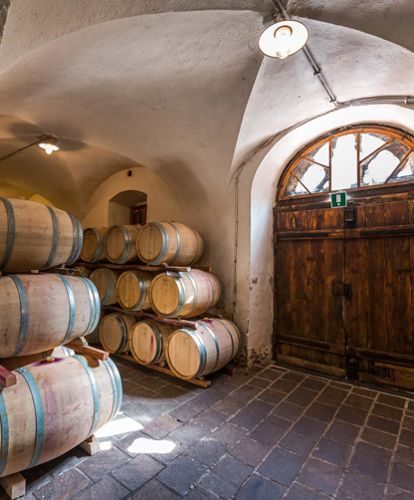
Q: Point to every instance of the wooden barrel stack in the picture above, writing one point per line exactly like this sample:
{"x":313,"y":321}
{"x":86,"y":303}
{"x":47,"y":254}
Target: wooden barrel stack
{"x":171,"y":291}
{"x":41,"y":311}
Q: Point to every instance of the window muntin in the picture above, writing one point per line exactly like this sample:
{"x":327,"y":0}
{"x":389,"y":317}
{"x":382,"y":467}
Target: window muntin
{"x":350,"y":159}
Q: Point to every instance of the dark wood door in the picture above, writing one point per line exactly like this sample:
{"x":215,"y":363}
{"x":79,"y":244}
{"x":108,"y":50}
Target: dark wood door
{"x":345,"y":288}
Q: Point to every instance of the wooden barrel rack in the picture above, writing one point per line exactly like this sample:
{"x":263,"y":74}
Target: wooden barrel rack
{"x":201,"y":381}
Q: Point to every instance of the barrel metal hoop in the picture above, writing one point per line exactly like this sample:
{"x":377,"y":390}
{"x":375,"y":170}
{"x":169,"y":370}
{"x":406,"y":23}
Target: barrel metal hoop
{"x":195,"y":300}
{"x":201,"y":349}
{"x":118,"y":383}
{"x":94,"y":306}
{"x":142,"y":289}
{"x":72,"y":306}
{"x":5,"y":435}
{"x":195,"y":247}
{"x":99,"y":240}
{"x":24,"y":314}
{"x":181,"y":297}
{"x":124,"y":332}
{"x":55,"y":240}
{"x":39,"y":414}
{"x":77,"y":240}
{"x":112,"y":377}
{"x":110,"y":288}
{"x":213,"y":336}
{"x":164,"y":247}
{"x":127,"y":247}
{"x":95,"y":393}
{"x":160,"y":344}
{"x":233,"y":353}
{"x":177,"y":234}
{"x":11,"y":232}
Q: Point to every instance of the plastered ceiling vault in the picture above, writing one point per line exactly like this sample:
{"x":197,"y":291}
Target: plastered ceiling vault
{"x":178,"y":86}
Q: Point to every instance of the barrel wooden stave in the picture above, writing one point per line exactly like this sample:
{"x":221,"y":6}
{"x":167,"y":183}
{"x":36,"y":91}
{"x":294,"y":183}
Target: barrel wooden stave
{"x":148,"y":340}
{"x":42,"y":311}
{"x":119,"y":244}
{"x":114,"y":332}
{"x":105,"y":282}
{"x":185,"y":294}
{"x":195,"y":353}
{"x":34,"y":236}
{"x":133,"y":290}
{"x":93,"y":249}
{"x":169,"y":242}
{"x":54,"y":407}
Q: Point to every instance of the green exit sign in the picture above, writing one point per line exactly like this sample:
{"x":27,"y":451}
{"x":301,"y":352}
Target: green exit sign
{"x":338,"y":200}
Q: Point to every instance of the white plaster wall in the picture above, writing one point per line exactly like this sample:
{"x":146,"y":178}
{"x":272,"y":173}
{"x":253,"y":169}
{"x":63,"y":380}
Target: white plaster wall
{"x":161,"y":201}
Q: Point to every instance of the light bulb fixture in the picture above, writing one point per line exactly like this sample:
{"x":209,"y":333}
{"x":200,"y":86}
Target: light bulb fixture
{"x":283,"y":39}
{"x":49,"y":144}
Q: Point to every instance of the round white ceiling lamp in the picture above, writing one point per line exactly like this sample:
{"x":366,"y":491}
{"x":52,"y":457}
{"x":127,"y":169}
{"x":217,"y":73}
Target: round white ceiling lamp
{"x":49,"y":144}
{"x":283,"y":39}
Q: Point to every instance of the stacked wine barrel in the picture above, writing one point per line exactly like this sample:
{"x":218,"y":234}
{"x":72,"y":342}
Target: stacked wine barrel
{"x":178,"y":292}
{"x":41,"y":311}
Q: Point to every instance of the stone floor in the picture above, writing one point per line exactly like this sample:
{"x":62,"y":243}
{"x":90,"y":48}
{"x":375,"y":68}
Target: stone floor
{"x":273,"y":433}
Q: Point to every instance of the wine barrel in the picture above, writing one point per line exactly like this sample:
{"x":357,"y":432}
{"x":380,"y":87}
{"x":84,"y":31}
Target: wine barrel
{"x":120,"y":244}
{"x":42,"y":311}
{"x":54,"y":406}
{"x":105,"y":281}
{"x":114,"y":332}
{"x":34,"y":236}
{"x":195,"y":353}
{"x":133,"y":290}
{"x":93,"y":244}
{"x":172,"y":243}
{"x":148,"y":339}
{"x":184,"y":294}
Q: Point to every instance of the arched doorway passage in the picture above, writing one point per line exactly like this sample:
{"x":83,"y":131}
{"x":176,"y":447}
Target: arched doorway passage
{"x":344,"y":265}
{"x":128,"y":207}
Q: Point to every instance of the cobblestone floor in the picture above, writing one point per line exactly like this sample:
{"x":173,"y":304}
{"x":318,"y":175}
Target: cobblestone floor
{"x":273,"y":433}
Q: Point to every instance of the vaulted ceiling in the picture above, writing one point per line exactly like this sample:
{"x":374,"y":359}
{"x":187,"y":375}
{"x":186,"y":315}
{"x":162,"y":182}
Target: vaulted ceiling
{"x":178,"y":86}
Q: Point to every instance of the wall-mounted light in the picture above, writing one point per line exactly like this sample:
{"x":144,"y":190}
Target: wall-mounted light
{"x":49,"y":144}
{"x":283,"y":39}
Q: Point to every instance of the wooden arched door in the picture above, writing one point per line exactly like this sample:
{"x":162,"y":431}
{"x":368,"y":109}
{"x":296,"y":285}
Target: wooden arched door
{"x":344,"y":301}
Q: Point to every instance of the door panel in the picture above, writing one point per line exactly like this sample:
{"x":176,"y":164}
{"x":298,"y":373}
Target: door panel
{"x":345,"y":291}
{"x":309,"y":320}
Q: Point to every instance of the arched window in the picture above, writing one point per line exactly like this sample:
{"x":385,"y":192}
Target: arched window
{"x":348,"y":159}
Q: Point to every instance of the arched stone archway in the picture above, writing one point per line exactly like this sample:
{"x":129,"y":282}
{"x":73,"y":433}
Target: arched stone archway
{"x":120,"y":206}
{"x":257,"y":186}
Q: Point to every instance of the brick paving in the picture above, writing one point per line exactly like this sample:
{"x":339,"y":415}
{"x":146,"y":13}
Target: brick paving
{"x":272,"y":433}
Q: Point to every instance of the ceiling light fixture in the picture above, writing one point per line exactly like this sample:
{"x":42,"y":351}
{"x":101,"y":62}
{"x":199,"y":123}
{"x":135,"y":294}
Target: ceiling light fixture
{"x":49,"y":144}
{"x":283,"y":39}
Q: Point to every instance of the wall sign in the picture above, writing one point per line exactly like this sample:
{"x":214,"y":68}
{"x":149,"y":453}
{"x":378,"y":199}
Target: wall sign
{"x":338,"y":199}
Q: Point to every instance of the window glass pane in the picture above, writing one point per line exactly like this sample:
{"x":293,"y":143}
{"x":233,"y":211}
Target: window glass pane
{"x":407,"y":172}
{"x":371,"y":142}
{"x":294,"y":187}
{"x":377,"y":169}
{"x":316,"y":179}
{"x":344,"y":162}
{"x":321,"y":155}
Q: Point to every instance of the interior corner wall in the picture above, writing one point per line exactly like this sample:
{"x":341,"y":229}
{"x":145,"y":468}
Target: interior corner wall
{"x":161,"y":201}
{"x":257,"y":191}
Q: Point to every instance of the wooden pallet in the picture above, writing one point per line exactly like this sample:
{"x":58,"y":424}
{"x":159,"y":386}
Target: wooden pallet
{"x":136,"y":267}
{"x":200,"y":382}
{"x":15,"y":484}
